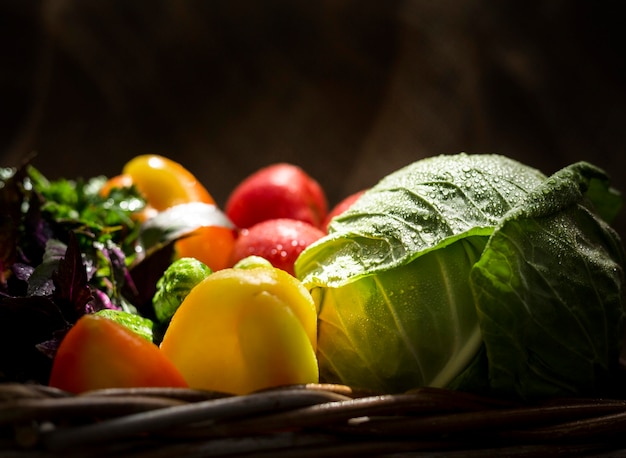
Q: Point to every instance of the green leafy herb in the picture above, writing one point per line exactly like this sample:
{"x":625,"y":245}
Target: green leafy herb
{"x":65,"y":250}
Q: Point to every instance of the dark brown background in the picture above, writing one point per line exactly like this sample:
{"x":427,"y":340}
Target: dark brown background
{"x":349,"y":90}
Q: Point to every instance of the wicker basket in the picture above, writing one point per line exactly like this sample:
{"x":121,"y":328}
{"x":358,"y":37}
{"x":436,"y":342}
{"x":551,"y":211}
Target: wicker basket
{"x":301,"y":421}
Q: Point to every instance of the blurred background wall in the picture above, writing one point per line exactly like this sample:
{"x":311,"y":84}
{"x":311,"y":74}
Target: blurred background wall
{"x":349,"y":90}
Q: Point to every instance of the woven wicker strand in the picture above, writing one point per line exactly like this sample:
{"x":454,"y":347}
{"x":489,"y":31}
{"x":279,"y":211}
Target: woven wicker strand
{"x":299,"y":421}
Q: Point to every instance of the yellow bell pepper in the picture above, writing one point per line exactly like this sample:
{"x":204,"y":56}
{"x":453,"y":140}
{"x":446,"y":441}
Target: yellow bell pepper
{"x":245,"y":329}
{"x":165,"y":183}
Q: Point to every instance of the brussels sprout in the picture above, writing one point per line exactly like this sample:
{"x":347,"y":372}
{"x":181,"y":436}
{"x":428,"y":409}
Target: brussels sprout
{"x":472,"y":272}
{"x":174,"y":285}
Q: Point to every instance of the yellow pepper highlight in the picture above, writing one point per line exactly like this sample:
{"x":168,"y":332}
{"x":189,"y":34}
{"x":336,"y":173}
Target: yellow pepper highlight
{"x":242,"y":330}
{"x":164,"y":182}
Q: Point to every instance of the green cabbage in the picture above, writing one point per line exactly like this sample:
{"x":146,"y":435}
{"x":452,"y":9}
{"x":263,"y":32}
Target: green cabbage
{"x":474,"y":272}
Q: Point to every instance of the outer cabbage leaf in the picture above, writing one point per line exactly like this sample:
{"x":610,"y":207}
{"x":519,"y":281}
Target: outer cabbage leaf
{"x":549,"y":291}
{"x":421,"y":207}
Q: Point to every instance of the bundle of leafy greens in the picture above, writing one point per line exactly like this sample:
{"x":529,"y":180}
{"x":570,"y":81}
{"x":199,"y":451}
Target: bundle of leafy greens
{"x":64,"y":252}
{"x":67,"y":250}
{"x":473,"y":272}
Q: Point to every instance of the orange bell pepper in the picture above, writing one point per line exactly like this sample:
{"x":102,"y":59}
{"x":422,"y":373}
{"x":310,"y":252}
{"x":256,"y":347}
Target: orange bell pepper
{"x":99,"y":353}
{"x":165,"y":183}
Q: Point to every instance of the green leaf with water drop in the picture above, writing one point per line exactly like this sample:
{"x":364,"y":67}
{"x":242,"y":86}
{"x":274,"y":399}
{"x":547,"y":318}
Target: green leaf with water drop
{"x":549,"y":291}
{"x":422,"y":207}
{"x":406,"y":287}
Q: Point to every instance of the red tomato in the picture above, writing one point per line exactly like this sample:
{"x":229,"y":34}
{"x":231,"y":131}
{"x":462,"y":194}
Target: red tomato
{"x":277,"y":191}
{"x":280,"y":241}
